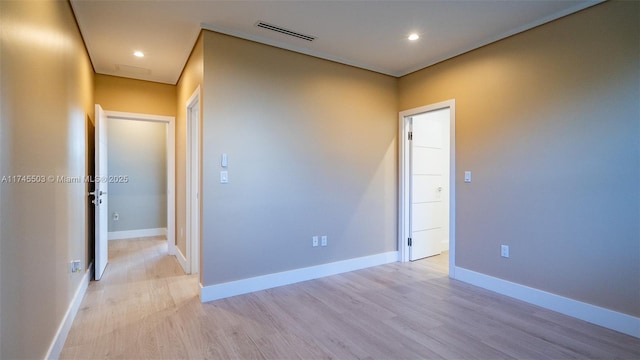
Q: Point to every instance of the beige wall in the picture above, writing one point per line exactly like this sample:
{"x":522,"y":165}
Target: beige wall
{"x":46,"y":97}
{"x":312,"y":151}
{"x":129,"y":95}
{"x":190,"y":79}
{"x":548,"y":121}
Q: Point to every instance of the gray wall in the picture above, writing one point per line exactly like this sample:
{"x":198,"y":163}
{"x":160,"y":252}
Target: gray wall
{"x":549,"y":123}
{"x":138,"y":149}
{"x":46,"y":95}
{"x":312,"y":151}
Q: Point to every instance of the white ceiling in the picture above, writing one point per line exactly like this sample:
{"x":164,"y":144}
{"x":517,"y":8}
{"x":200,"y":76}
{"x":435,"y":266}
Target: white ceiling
{"x":367,"y":34}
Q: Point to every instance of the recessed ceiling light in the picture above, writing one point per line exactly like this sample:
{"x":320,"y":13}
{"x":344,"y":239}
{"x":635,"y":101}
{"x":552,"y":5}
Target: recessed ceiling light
{"x":138,"y":54}
{"x":414,"y":37}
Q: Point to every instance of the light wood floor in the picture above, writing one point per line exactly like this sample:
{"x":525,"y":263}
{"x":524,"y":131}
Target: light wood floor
{"x":145,"y":307}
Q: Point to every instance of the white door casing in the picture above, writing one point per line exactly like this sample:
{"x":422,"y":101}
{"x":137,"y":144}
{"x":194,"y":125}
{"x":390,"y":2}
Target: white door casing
{"x":431,"y":191}
{"x":101,"y":136}
{"x":193,"y":184}
{"x":100,"y":193}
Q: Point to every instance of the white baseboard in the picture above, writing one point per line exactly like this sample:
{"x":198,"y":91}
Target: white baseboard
{"x":128,"y":234}
{"x":63,"y":329}
{"x":182,"y":259}
{"x":171,"y":248}
{"x":614,"y":320}
{"x":244,"y":286}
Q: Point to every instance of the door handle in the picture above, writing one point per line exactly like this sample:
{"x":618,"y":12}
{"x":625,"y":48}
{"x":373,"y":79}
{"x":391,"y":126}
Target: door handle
{"x":99,"y":193}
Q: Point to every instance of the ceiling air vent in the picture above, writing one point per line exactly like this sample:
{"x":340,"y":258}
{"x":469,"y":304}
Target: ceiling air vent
{"x":264,"y":25}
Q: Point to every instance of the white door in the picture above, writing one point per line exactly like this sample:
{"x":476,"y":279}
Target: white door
{"x":429,"y":210}
{"x":100,"y":198}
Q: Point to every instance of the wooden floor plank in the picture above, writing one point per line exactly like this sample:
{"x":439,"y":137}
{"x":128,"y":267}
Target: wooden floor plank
{"x":146,"y":308}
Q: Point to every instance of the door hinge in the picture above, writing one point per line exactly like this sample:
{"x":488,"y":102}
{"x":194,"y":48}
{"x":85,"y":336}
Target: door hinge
{"x":410,"y":135}
{"x":409,"y":241}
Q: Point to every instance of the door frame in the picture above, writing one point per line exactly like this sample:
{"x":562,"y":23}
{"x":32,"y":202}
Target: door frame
{"x":193,"y":190}
{"x":101,"y":236}
{"x":404,"y":179}
{"x":171,"y":165}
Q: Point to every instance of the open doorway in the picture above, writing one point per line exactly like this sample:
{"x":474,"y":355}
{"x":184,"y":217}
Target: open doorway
{"x":427,"y":182}
{"x":128,"y":199}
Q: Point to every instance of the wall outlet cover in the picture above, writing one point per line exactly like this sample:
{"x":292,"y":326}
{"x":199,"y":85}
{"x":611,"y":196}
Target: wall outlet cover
{"x":75,"y":266}
{"x":504,"y":251}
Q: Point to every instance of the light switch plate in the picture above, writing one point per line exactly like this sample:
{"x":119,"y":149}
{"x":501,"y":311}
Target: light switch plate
{"x":224,"y":177}
{"x":467,"y":176}
{"x":224,"y":161}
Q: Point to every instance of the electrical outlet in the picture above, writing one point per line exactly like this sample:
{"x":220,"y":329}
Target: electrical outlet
{"x":323,"y":240}
{"x":315,"y":241}
{"x":504,"y":251}
{"x":75,"y":266}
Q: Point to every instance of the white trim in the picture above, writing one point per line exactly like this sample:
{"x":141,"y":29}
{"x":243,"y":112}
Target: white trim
{"x":172,"y":249}
{"x":614,"y":320}
{"x":182,"y":260}
{"x":119,"y":115}
{"x":403,"y":192}
{"x":128,"y":234}
{"x":193,"y":189}
{"x":403,"y":178}
{"x":63,"y":329}
{"x":244,"y":286}
{"x":171,"y":187}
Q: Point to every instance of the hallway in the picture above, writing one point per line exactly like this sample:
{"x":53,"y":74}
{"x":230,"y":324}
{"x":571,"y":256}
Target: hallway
{"x":145,"y":307}
{"x":131,"y":312}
